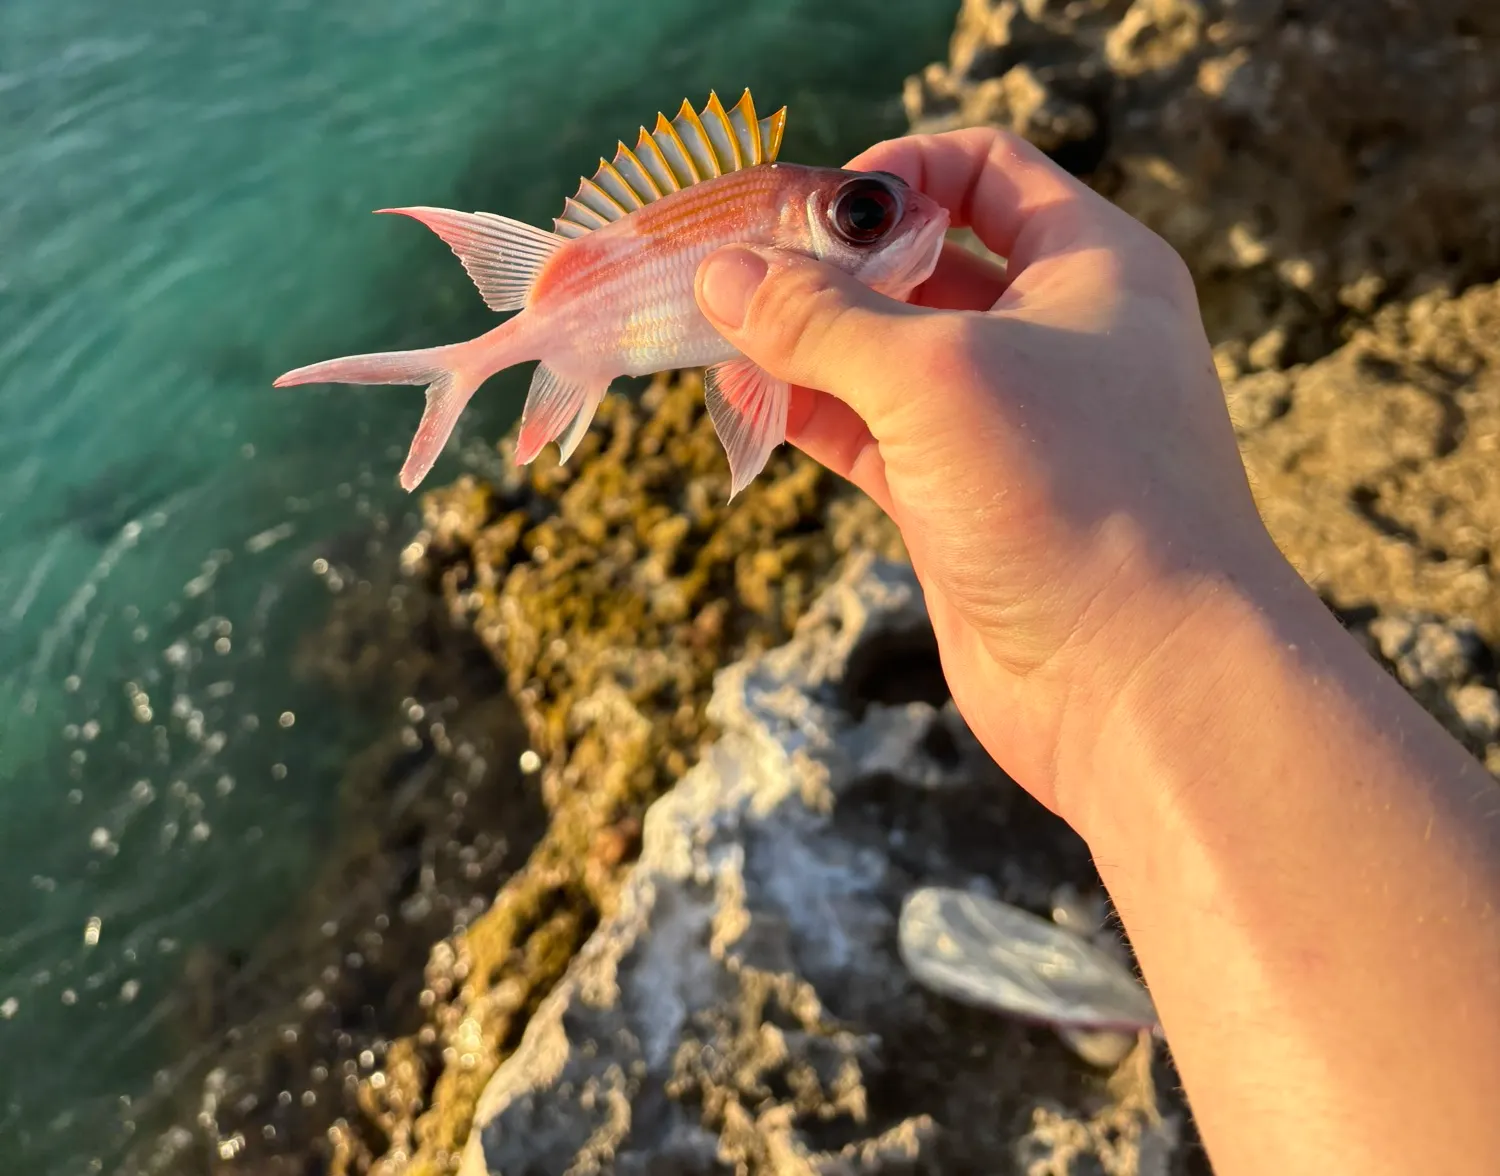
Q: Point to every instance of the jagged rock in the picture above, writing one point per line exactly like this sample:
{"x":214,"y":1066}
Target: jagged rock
{"x":1377,"y":470}
{"x":1309,"y":158}
{"x":745,"y":1007}
{"x":610,"y":591}
{"x":1314,"y":160}
{"x":1449,"y":669}
{"x":434,"y":818}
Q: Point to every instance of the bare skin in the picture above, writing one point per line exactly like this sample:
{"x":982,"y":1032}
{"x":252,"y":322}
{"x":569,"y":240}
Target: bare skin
{"x":1308,"y":866}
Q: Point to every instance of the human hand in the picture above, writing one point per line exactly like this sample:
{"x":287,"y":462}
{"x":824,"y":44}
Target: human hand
{"x":1121,"y":633}
{"x":1051,"y":437}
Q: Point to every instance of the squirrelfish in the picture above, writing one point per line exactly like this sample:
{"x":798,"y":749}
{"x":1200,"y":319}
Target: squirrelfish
{"x":609,"y":291}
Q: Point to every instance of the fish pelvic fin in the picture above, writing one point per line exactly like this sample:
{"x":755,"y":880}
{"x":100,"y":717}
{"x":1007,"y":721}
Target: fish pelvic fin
{"x":502,"y":256}
{"x":748,"y":408}
{"x":452,"y":375}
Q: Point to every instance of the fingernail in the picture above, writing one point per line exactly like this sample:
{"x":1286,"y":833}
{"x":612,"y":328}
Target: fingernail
{"x":730,"y":279}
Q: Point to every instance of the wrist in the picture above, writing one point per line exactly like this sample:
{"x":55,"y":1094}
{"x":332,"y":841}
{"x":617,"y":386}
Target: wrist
{"x":1179,"y":686}
{"x":1305,"y":863}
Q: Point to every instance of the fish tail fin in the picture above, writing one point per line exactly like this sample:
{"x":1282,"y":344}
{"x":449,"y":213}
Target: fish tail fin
{"x":384,"y":367}
{"x":452,"y":375}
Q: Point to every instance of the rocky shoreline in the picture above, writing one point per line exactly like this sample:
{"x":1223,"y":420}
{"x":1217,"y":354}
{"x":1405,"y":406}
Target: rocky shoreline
{"x":721,"y":785}
{"x":610,"y":591}
{"x":745,"y":1007}
{"x":1311,"y":159}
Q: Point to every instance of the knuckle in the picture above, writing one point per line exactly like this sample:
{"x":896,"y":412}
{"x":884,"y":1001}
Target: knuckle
{"x":1179,"y":276}
{"x":1003,"y":139}
{"x":985,"y":141}
{"x":952,"y":348}
{"x":1164,"y":266}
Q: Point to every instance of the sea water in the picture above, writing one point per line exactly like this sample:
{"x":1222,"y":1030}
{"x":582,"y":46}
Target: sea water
{"x":185,"y":190}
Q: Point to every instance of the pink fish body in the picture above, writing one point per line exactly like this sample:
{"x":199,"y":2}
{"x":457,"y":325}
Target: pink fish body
{"x":610,"y":292}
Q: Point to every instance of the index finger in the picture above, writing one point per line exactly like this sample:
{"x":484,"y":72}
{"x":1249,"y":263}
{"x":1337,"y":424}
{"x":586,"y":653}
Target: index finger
{"x":1017,"y":201}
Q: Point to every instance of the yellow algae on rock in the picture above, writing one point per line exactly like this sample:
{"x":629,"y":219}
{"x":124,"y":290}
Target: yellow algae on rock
{"x":610,"y":591}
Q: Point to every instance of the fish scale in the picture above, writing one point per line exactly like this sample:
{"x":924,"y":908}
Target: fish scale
{"x":610,"y":291}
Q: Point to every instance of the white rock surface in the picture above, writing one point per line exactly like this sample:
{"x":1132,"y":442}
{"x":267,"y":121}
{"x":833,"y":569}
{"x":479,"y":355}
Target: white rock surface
{"x":746,"y":1010}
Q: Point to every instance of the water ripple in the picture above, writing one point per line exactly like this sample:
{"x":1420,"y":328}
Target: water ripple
{"x":186,"y":214}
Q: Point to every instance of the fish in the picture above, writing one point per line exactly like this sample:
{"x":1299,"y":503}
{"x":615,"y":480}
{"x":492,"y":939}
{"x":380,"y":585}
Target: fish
{"x":608,"y":291}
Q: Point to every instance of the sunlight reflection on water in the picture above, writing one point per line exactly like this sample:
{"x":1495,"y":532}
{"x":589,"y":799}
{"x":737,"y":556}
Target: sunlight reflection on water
{"x":184,"y":215}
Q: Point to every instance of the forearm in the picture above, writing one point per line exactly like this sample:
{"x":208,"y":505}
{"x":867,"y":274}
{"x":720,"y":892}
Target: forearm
{"x":1309,"y":870}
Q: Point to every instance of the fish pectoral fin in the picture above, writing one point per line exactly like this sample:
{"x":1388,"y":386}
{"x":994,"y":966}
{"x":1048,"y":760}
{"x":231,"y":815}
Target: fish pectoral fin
{"x":558,"y":408}
{"x":748,"y":408}
{"x":501,"y":255}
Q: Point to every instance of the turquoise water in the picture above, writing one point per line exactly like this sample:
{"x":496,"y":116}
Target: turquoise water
{"x":185,"y":192}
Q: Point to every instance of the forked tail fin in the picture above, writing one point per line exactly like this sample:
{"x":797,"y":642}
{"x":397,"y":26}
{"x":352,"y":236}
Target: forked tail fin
{"x":452,"y":375}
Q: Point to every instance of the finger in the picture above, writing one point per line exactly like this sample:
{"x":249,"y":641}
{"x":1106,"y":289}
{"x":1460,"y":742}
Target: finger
{"x":962,"y":281}
{"x":831,"y":433}
{"x":1017,"y":201}
{"x":811,"y":324}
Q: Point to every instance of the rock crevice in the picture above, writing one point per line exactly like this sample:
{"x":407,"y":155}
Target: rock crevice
{"x":745,"y":1008}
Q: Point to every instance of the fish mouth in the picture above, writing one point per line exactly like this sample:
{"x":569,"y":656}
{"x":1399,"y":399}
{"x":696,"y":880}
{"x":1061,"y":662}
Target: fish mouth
{"x":922,"y":257}
{"x":929,"y":246}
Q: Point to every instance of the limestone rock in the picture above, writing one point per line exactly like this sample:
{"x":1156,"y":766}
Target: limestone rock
{"x":1377,"y":470}
{"x":1309,"y":158}
{"x":745,"y":1007}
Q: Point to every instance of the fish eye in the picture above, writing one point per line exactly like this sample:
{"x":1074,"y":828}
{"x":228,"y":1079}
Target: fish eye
{"x":865,"y":210}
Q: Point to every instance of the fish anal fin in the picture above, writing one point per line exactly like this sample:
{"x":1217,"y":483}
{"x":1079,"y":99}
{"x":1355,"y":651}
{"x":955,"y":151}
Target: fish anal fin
{"x":501,"y":255}
{"x":568,"y":443}
{"x":748,"y":408}
{"x":557,"y":407}
{"x":694,"y":146}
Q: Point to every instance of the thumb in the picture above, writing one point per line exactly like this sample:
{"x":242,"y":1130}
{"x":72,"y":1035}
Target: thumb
{"x":811,"y":324}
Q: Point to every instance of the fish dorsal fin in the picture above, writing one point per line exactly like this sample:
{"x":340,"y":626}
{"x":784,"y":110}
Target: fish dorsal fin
{"x":693,"y":147}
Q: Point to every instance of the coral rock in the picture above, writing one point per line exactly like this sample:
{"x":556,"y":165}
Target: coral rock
{"x":746,"y":1006}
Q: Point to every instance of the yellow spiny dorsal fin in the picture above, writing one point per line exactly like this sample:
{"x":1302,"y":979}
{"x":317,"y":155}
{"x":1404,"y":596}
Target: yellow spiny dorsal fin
{"x":693,"y":147}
